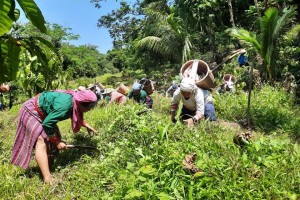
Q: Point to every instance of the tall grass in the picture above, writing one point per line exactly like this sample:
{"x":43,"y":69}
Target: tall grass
{"x":141,"y":155}
{"x":272,"y":109}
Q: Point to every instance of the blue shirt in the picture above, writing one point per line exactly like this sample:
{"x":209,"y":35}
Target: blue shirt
{"x":242,"y":59}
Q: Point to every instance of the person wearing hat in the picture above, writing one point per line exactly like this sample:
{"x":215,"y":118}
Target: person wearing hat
{"x":227,"y":84}
{"x":140,"y":95}
{"x":197,"y":103}
{"x":4,"y":88}
{"x":243,"y":58}
{"x":172,"y":89}
{"x":95,"y":88}
{"x":80,"y":88}
{"x":113,"y":96}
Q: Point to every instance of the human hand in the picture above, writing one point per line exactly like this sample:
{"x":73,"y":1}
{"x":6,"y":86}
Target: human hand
{"x":92,"y":131}
{"x":190,"y":122}
{"x":61,"y":145}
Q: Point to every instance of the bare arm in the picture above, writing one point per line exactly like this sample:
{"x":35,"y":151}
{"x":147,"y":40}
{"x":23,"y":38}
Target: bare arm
{"x":89,"y":128}
{"x":174,"y":104}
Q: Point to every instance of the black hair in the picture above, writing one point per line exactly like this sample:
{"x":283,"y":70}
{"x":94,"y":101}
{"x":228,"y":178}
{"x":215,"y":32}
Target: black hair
{"x":89,"y":105}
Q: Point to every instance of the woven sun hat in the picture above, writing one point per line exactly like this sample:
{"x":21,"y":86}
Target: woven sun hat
{"x":91,"y":86}
{"x":108,"y":90}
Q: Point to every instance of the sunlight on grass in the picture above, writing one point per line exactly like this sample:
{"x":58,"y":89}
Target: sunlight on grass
{"x":141,"y":155}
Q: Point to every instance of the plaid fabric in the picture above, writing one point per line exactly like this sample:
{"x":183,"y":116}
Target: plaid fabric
{"x":28,"y":130}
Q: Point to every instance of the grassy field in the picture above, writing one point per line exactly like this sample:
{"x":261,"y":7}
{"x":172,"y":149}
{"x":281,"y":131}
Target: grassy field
{"x":141,"y":155}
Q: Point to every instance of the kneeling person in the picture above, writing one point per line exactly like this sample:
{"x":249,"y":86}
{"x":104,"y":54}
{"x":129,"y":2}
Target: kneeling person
{"x":140,"y":95}
{"x":197,"y":103}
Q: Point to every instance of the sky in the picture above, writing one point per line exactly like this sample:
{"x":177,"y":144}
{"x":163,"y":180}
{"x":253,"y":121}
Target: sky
{"x":81,"y":16}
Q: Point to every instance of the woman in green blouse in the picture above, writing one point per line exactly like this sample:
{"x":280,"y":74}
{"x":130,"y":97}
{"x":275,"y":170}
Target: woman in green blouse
{"x":140,"y":95}
{"x":37,"y":125}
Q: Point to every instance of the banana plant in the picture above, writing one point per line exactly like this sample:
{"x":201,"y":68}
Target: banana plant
{"x":11,"y":45}
{"x":30,"y":80}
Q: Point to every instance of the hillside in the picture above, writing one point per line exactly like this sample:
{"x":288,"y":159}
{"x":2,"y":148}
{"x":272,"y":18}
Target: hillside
{"x":141,"y":156}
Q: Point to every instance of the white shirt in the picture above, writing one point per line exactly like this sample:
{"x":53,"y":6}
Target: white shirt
{"x":196,"y":102}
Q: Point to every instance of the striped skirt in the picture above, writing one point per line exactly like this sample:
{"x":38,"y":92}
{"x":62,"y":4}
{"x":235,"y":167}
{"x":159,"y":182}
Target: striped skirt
{"x":28,"y":130}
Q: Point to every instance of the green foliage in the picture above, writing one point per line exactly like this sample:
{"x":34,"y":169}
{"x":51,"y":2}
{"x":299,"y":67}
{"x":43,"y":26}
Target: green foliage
{"x":141,"y":155}
{"x":33,"y":13}
{"x":110,"y":79}
{"x":168,"y":35}
{"x":85,"y":60}
{"x":271,"y":109}
{"x":138,"y":74}
{"x":123,"y":24}
{"x":290,"y":51}
{"x":272,"y":26}
{"x":9,"y":59}
{"x":5,"y":16}
{"x":164,"y":34}
{"x":11,"y":45}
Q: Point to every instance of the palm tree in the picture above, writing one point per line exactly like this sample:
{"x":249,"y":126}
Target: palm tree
{"x":257,"y":8}
{"x":231,"y":13}
{"x":168,"y":36}
{"x":272,"y":26}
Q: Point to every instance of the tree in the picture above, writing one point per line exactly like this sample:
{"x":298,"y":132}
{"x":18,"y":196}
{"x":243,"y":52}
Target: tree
{"x":47,"y":71}
{"x":10,"y":44}
{"x":85,"y":60}
{"x":231,"y":13}
{"x":123,"y":24}
{"x":272,"y":26}
{"x":170,"y":37}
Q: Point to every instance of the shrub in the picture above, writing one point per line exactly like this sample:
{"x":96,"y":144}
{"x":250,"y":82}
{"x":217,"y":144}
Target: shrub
{"x":271,"y":108}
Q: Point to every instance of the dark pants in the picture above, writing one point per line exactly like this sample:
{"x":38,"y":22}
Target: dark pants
{"x":149,"y":102}
{"x":209,"y":112}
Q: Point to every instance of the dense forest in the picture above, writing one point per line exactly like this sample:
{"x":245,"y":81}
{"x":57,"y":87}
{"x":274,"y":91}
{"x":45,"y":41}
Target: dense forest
{"x":153,"y":36}
{"x":142,"y":156}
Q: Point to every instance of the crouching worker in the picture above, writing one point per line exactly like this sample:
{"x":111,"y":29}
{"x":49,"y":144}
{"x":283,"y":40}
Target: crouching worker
{"x":140,"y":95}
{"x":197,"y":103}
{"x":37,"y":125}
{"x":111,"y":96}
{"x":171,"y":89}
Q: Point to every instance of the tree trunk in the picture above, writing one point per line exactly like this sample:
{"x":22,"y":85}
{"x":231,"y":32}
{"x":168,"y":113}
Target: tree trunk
{"x":257,"y":8}
{"x":249,"y":99}
{"x":231,"y":13}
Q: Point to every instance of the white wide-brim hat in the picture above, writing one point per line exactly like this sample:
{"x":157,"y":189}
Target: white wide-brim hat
{"x":108,"y":90}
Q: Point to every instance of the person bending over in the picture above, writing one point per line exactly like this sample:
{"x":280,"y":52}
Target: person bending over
{"x":197,"y":103}
{"x":37,"y":125}
{"x":140,"y":95}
